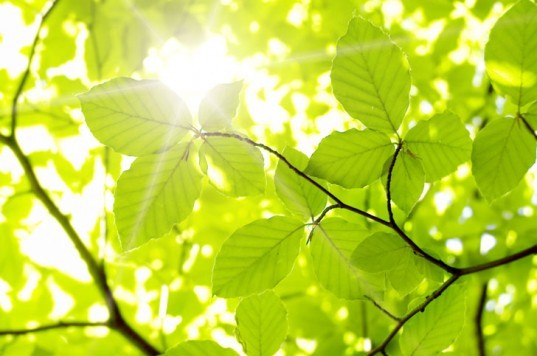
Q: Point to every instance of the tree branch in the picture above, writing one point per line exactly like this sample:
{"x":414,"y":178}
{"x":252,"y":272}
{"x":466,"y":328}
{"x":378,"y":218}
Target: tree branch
{"x":26,"y":73}
{"x":499,"y":262}
{"x":479,"y":320}
{"x":420,"y":308}
{"x":59,"y":325}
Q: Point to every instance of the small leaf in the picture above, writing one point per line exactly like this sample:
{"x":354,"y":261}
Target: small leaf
{"x":379,"y":252}
{"x":199,"y":348}
{"x":261,"y":324}
{"x":405,"y":277}
{"x":433,"y":330}
{"x":257,"y":256}
{"x":352,"y":159}
{"x":331,"y":245}
{"x":510,"y":56}
{"x":157,"y":192}
{"x":219,"y":106}
{"x":441,"y":143}
{"x":370,"y":77}
{"x":502,"y":154}
{"x":135,"y":117}
{"x":408,"y":180}
{"x":299,"y":196}
{"x":233,"y":167}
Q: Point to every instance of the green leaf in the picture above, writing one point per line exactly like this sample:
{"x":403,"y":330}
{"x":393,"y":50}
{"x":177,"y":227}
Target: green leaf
{"x":331,"y":245}
{"x":408,"y":179}
{"x":406,"y":276}
{"x":199,"y":348}
{"x":510,"y":54}
{"x":257,"y":256}
{"x":433,"y":330}
{"x":370,"y":77}
{"x":233,"y":167}
{"x":157,"y":192}
{"x":502,"y":154}
{"x":441,"y":143}
{"x":261,"y":324}
{"x":219,"y":106}
{"x":352,"y":159}
{"x":135,"y":117}
{"x":379,"y":252}
{"x":531,"y":116}
{"x":299,"y":196}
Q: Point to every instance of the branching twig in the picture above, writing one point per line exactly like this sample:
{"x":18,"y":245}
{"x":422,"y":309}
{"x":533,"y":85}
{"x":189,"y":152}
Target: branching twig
{"x":499,"y":262}
{"x":382,"y":309}
{"x":59,"y":325}
{"x":437,"y":293}
{"x":479,"y":320}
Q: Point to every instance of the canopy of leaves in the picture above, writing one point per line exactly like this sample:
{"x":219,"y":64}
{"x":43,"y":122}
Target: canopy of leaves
{"x":259,"y":177}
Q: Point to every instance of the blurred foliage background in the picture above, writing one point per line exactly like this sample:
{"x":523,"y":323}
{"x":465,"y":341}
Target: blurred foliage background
{"x":283,"y":51}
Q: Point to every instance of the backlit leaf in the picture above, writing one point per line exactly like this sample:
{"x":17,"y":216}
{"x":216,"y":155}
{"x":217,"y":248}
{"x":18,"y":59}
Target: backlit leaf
{"x":157,"y":192}
{"x":233,"y":167}
{"x":379,"y":252}
{"x":510,"y":54}
{"x":408,"y":180}
{"x":219,"y":106}
{"x":135,"y":117}
{"x":370,"y":77}
{"x":199,"y":348}
{"x":502,"y":154}
{"x":352,"y":159}
{"x":261,"y":323}
{"x":299,"y":196}
{"x":433,"y":330}
{"x":406,"y":276}
{"x":257,"y":256}
{"x":441,"y":144}
{"x":331,"y":246}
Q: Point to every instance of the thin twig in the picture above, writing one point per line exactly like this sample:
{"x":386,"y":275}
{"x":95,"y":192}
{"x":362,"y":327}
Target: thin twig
{"x":479,"y":320}
{"x":382,"y":309}
{"x":420,"y":308}
{"x":26,"y":73}
{"x":499,"y":262}
{"x":527,"y":125}
{"x":59,"y":325}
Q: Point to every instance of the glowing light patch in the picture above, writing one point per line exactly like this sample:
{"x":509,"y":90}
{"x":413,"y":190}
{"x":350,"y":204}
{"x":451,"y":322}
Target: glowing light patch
{"x":487,"y":243}
{"x":455,"y":246}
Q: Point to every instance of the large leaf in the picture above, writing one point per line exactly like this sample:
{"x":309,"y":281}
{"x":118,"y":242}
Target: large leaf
{"x":379,"y":252}
{"x":219,"y":106}
{"x":331,"y":245}
{"x":502,"y":154}
{"x":299,"y":196}
{"x":257,"y":256}
{"x":199,"y":348}
{"x":441,"y":143}
{"x":261,"y":324}
{"x":370,"y":77}
{"x":352,"y":159}
{"x":430,"y":332}
{"x":157,"y":192}
{"x":408,"y":180}
{"x":135,"y":117}
{"x":406,"y":276}
{"x":511,"y":53}
{"x":234,"y":167}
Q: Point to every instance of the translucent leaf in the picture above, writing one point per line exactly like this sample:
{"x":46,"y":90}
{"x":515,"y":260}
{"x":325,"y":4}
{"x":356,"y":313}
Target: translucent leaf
{"x":502,"y":154}
{"x":157,"y":192}
{"x":406,"y":276}
{"x":379,"y":252}
{"x":219,"y":106}
{"x":298,"y":195}
{"x":11,"y":258}
{"x":135,"y":117}
{"x":370,"y":77}
{"x":331,"y":246}
{"x":531,"y":116}
{"x":199,"y":348}
{"x":257,"y":256}
{"x":261,"y":324}
{"x":408,"y":179}
{"x":233,"y":167}
{"x":352,"y":159}
{"x":433,"y":330}
{"x":441,"y":143}
{"x":510,"y":54}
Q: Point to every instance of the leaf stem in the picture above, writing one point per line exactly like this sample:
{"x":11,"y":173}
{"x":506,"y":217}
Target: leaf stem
{"x":479,"y":320}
